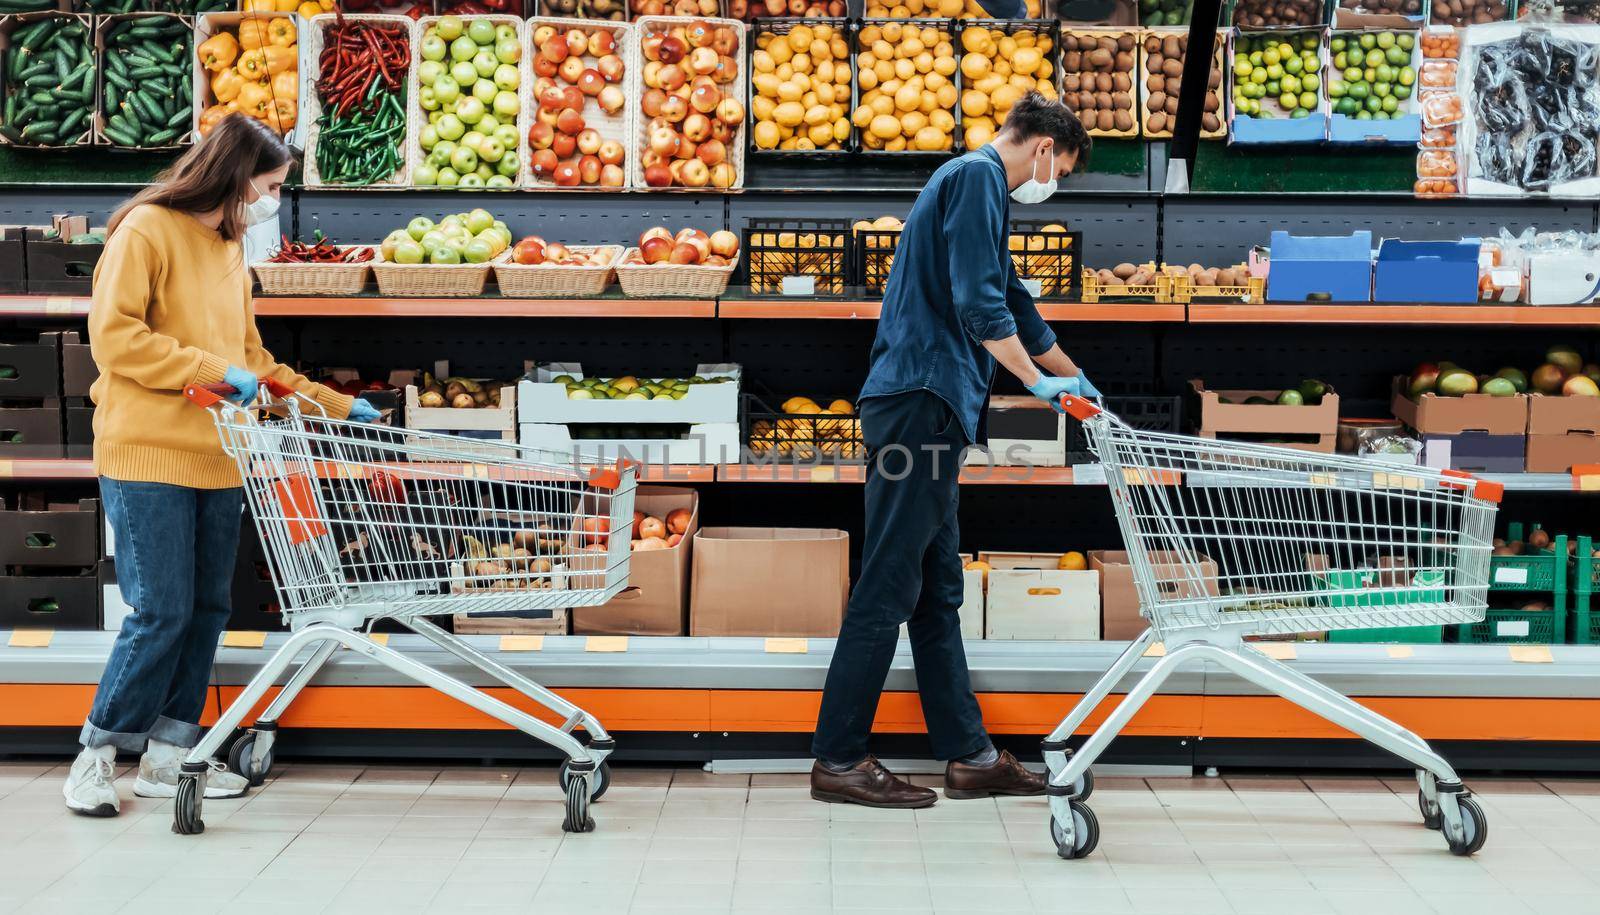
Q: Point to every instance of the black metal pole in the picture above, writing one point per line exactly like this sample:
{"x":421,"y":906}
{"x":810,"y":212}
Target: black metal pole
{"x":1203,"y":20}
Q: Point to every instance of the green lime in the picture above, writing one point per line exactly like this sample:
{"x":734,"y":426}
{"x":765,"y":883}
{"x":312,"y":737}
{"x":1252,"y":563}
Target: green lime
{"x":1374,"y":103}
{"x":1292,"y":65}
{"x":1402,"y":92}
{"x":1391,"y":104}
{"x":1336,"y":89}
{"x":1337,"y":44}
{"x":1367,"y":40}
{"x":1386,"y":40}
{"x":1398,"y":57}
{"x":1382,"y":90}
{"x":1405,"y":41}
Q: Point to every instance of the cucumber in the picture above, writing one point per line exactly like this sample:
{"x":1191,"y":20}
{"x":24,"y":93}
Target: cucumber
{"x":161,"y":137}
{"x":119,"y":137}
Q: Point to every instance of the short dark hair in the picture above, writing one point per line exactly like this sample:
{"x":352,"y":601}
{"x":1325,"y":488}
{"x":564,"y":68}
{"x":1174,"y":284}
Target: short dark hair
{"x":1034,"y":115}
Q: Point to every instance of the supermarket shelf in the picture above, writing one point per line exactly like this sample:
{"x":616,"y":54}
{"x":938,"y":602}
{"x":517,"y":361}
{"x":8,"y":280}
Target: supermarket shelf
{"x":1131,"y":312}
{"x":482,"y":307}
{"x":47,"y":469}
{"x":1362,"y":313}
{"x":43,"y":306}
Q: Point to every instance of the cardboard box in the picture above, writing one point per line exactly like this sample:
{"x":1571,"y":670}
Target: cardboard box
{"x":769,"y":581}
{"x":1560,"y":453}
{"x":541,"y":400}
{"x":1476,"y":452}
{"x":1029,"y":598}
{"x":972,"y":601}
{"x":1567,"y":278}
{"x":13,"y":260}
{"x":31,"y":370}
{"x":78,"y":369}
{"x":79,"y":425}
{"x":657,"y":599}
{"x":1320,"y":268}
{"x":1023,"y":431}
{"x":1556,"y":415}
{"x":31,"y":432}
{"x":1434,"y":415}
{"x":208,"y":24}
{"x":38,"y":534}
{"x":1426,"y":271}
{"x":58,"y":268}
{"x":1120,"y":619}
{"x":67,"y":602}
{"x":1317,"y":426}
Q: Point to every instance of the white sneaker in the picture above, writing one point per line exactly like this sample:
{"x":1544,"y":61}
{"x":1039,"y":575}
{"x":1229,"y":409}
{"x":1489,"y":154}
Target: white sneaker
{"x":159,"y":768}
{"x":89,"y":790}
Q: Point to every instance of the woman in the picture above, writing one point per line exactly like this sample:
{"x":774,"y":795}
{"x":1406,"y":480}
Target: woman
{"x":172,"y":307}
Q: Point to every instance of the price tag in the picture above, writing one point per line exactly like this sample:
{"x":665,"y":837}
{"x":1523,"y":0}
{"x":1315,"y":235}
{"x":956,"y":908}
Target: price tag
{"x":787,"y":646}
{"x":1512,"y":629}
{"x":1588,"y":483}
{"x":1399,"y":651}
{"x":31,"y":638}
{"x":1396,"y":481}
{"x":798,"y":285}
{"x":1531,"y":654}
{"x":606,"y":643}
{"x":824,"y":474}
{"x":1278,"y":651}
{"x":243,"y":639}
{"x":1511,"y":576}
{"x":1089,"y":474}
{"x":58,"y":305}
{"x":379,"y":638}
{"x":522,"y":643}
{"x":1035,"y":287}
{"x":1156,"y":650}
{"x":7,"y":469}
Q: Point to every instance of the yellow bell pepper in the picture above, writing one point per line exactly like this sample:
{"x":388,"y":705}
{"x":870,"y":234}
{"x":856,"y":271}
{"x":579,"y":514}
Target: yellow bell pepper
{"x":254,"y":99}
{"x":281,"y":114}
{"x":252,"y":65}
{"x":253,"y":33}
{"x":309,"y":8}
{"x":286,"y":6}
{"x":280,"y":59}
{"x":226,"y":85}
{"x":259,"y":6}
{"x":286,"y":85}
{"x":281,"y":32}
{"x":218,"y":52}
{"x":211,"y":117}
{"x":327,"y":5}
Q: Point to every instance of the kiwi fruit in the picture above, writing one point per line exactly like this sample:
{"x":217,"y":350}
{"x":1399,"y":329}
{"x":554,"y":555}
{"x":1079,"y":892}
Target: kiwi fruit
{"x":1100,"y":59}
{"x":1102,"y":82}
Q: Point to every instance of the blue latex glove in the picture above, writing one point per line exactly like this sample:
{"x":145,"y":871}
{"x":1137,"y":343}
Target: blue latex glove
{"x":1086,"y":388}
{"x":243,"y":382}
{"x":363,"y":412}
{"x":1049,"y":389}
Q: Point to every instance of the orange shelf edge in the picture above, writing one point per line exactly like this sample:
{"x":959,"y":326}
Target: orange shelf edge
{"x":360,"y":306}
{"x":1358,"y":313}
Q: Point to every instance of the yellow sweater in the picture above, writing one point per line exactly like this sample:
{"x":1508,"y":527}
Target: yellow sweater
{"x":172,"y":307}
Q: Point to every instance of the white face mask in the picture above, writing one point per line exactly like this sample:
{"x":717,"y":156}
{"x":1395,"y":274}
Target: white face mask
{"x":262,"y":209}
{"x":1033,"y":190}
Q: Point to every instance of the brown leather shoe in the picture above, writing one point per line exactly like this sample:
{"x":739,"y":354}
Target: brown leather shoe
{"x":868,"y":784}
{"x":1006,"y":776}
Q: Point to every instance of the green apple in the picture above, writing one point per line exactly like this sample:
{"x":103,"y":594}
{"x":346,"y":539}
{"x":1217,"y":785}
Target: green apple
{"x":434,"y":48}
{"x":484,"y":170}
{"x":445,"y":89}
{"x":490,"y":150}
{"x":504,"y":32}
{"x":449,"y":27}
{"x":481,"y":31}
{"x":498,"y":182}
{"x":485,"y":63}
{"x":433,"y":239}
{"x":507,"y":50}
{"x":444,"y":254}
{"x":464,"y":159}
{"x":428,"y":136}
{"x":428,"y":99}
{"x":462,"y":49}
{"x":507,"y":135}
{"x":392,"y":239}
{"x":485,"y":90}
{"x":419,"y":227}
{"x":477,"y":252}
{"x":425,"y":175}
{"x":408,"y":253}
{"x":473,"y":180}
{"x":508,"y":165}
{"x":454,"y":220}
{"x":451,"y":106}
{"x":470,"y":140}
{"x":450,"y":127}
{"x":506,"y":77}
{"x":430,"y":70}
{"x":505,"y":104}
{"x":488,"y":123}
{"x":448,"y":177}
{"x":478,"y":220}
{"x":470,"y":111}
{"x":463,"y":72}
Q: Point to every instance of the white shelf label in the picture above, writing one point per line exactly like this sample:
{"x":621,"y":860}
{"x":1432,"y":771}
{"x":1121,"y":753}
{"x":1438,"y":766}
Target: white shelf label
{"x":799,"y":285}
{"x":1510,"y":576}
{"x":1511,"y":629}
{"x":1035,"y":287}
{"x":1089,"y":474}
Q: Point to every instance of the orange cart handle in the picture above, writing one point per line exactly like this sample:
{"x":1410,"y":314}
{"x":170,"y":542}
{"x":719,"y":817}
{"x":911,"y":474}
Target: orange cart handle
{"x":206,"y":395}
{"x":1079,"y":408}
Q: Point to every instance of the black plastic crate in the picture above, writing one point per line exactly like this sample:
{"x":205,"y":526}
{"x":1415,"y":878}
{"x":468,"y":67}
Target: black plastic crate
{"x":56,"y":267}
{"x":872,"y":252}
{"x":1049,"y":29}
{"x":780,"y":27}
{"x":957,"y":133}
{"x":30,"y":369}
{"x":1049,"y":255}
{"x":1145,"y":412}
{"x":36,"y":532}
{"x":50,"y":601}
{"x":31,"y":430}
{"x":777,"y":435}
{"x":807,"y":257}
{"x":13,"y":261}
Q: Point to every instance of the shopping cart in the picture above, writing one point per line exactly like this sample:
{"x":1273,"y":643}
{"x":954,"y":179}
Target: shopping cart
{"x":364,"y":522}
{"x":1228,"y":540}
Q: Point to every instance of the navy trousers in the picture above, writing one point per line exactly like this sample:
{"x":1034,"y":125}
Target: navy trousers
{"x":910,"y":573}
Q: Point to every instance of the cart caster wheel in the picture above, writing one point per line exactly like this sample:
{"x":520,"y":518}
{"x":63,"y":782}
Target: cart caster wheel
{"x":1085,"y":832}
{"x":577,"y":815}
{"x":186,"y":806}
{"x":239,"y":759}
{"x":1084,"y":786}
{"x":1430,"y":812}
{"x":602,"y":779}
{"x":1475,"y":825}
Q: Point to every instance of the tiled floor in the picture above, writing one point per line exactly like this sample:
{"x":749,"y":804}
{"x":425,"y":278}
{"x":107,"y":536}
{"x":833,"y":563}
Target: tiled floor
{"x":398,"y":840}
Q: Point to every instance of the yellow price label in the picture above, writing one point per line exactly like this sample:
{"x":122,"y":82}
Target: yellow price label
{"x":824,"y":474}
{"x":1156,"y":650}
{"x":7,"y":469}
{"x":788,"y":646}
{"x":606,"y":643}
{"x":59,"y":305}
{"x":1530,"y":654}
{"x":1588,"y":482}
{"x":1278,"y":651}
{"x":1399,"y":651}
{"x":379,"y":638}
{"x":1396,"y":481}
{"x":522,"y":643}
{"x":31,"y":638}
{"x":243,"y":639}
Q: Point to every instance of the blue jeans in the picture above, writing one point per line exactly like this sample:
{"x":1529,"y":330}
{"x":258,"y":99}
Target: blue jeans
{"x":175,"y":554}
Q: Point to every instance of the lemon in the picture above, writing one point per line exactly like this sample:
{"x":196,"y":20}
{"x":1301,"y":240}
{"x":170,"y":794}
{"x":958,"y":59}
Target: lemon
{"x":974,"y":103}
{"x":788,"y":114}
{"x":766,"y":135}
{"x":885,"y":126}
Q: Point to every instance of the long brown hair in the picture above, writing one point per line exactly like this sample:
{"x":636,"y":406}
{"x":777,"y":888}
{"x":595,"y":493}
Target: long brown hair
{"x":214,"y":174}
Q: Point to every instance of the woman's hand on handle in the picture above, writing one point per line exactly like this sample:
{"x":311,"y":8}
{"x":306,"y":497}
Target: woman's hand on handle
{"x":363,"y":412}
{"x":243,"y":383}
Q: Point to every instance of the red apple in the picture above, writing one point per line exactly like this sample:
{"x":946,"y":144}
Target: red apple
{"x":544,"y":66}
{"x":721,"y":132}
{"x":612,"y":176}
{"x":543,"y":34}
{"x":697,"y":128}
{"x":577,"y":42}
{"x":528,"y":251}
{"x":572,"y":69}
{"x":686,"y":150}
{"x":650,"y":103}
{"x":544,"y":163}
{"x":573,"y":97}
{"x":672,"y":77}
{"x":611,"y":152}
{"x":686,"y":234}
{"x":650,"y":44}
{"x":601,"y":42}
{"x":567,"y":175}
{"x":564,"y":145}
{"x":675,"y":169}
{"x":664,"y":142}
{"x":711,"y":152}
{"x":612,"y":68}
{"x":723,"y":175}
{"x":590,"y":82}
{"x":730,"y":112}
{"x":724,"y":243}
{"x":648,"y":158}
{"x":655,"y":250}
{"x":671,"y":50}
{"x":588,"y":141}
{"x":685,"y":254}
{"x":589,"y":169}
{"x":703,"y":61}
{"x":698,"y":242}
{"x":555,"y":51}
{"x":674,"y":108}
{"x":654,"y":232}
{"x":715,"y":260}
{"x":727,"y":70}
{"x":695,"y":174}
{"x":612,"y":99}
{"x":557,"y":253}
{"x":570,"y":122}
{"x":726,"y":41}
{"x":540,"y":135}
{"x":552,"y":99}
{"x":699,"y":34}
{"x":705,"y":96}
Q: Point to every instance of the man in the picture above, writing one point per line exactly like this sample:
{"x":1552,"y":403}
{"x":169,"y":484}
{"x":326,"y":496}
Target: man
{"x":953,"y":307}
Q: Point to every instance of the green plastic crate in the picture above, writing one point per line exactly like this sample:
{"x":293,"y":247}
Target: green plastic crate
{"x":1393,"y":635}
{"x":1543,"y":571}
{"x":1586,"y":569}
{"x":1519,"y":627}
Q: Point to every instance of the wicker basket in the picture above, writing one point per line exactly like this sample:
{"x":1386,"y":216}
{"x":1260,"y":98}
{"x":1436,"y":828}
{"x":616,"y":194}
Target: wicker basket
{"x":530,"y":281}
{"x":434,"y":279}
{"x":683,"y":280}
{"x":735,"y":89}
{"x":618,"y":127}
{"x":313,"y":99}
{"x":314,"y":279}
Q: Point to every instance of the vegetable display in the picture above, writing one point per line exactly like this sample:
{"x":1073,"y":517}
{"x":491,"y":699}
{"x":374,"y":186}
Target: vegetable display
{"x":361,"y":129}
{"x":147,"y":95}
{"x":322,"y":250}
{"x":254,"y":70}
{"x":49,"y":80}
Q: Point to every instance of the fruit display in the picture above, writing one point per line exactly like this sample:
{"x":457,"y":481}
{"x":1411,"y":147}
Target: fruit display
{"x":1161,"y":72}
{"x":535,"y":251}
{"x":1563,"y":373}
{"x":800,"y":81}
{"x":1440,"y":43}
{"x":689,"y":247}
{"x":1373,"y":75}
{"x":1308,"y":393}
{"x":803,"y":429}
{"x":691,"y":106}
{"x":753,"y":10}
{"x":652,"y":533}
{"x":460,"y":238}
{"x":778,"y":249}
{"x":1277,"y":75}
{"x":1198,"y":281}
{"x":1046,"y":255}
{"x":1255,"y":14}
{"x":1533,"y":133}
{"x":1100,"y":64}
{"x":1000,"y":65}
{"x":1467,"y":12}
{"x":1410,"y":8}
{"x":1157,"y":13}
{"x":674,"y":8}
{"x":459,"y":393}
{"x":876,"y":240}
{"x":936,"y":9}
{"x":249,"y":63}
{"x":578,"y":128}
{"x":139,"y":106}
{"x":908,"y":98}
{"x":1125,"y":280}
{"x":469,"y":83}
{"x":43,"y":108}
{"x":359,"y":101}
{"x":629,"y":387}
{"x":322,"y":250}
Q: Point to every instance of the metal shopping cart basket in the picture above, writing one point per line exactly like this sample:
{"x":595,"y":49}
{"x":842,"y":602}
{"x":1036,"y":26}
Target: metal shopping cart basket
{"x":1262,"y":540}
{"x":364,"y":522}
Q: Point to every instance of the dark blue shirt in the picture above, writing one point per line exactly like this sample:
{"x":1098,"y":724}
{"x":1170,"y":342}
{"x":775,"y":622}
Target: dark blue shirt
{"x":951,"y":288}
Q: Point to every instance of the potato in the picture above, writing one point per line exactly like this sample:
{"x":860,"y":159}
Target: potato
{"x":1124,"y":270}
